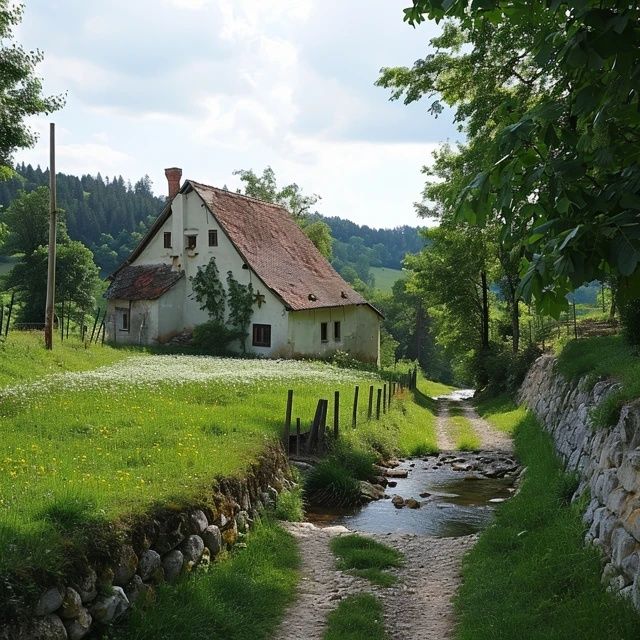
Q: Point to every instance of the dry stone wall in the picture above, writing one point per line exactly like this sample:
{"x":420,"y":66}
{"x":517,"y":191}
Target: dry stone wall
{"x":607,"y":461}
{"x":157,"y":548}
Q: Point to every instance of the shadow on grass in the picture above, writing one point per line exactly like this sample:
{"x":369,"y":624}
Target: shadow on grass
{"x":425,"y":401}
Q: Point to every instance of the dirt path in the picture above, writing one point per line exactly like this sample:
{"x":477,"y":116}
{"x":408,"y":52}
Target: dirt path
{"x":445,"y":442}
{"x":418,"y":607}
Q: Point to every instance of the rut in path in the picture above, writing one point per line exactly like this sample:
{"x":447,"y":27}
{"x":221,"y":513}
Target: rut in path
{"x":419,"y":606}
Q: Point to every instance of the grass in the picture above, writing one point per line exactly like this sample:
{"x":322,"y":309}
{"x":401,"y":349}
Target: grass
{"x":290,"y":505}
{"x":461,"y":429}
{"x":241,"y":598}
{"x":604,"y":357}
{"x":357,"y":617}
{"x":501,"y":412}
{"x":433,"y":389}
{"x":119,"y":445}
{"x":385,"y":278}
{"x":104,"y":445}
{"x":530,"y":575}
{"x":23,"y":357}
{"x":366,"y":558}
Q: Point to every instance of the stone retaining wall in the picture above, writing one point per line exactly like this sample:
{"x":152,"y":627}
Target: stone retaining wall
{"x":156,"y":548}
{"x":607,"y":461}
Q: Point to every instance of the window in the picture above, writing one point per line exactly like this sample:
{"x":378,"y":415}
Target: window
{"x":324,"y":332}
{"x":213,"y":238}
{"x":167,"y":239}
{"x":191,"y":242}
{"x":336,"y":331}
{"x":122,"y":318}
{"x":261,"y":335}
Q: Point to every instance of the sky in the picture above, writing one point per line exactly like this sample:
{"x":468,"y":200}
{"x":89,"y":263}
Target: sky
{"x":213,"y":86}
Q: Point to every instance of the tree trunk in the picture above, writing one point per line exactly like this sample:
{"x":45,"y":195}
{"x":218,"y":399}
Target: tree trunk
{"x":515,"y":325}
{"x":485,"y":310}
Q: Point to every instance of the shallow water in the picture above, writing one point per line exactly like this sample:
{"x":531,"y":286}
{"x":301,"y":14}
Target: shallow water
{"x":460,"y":503}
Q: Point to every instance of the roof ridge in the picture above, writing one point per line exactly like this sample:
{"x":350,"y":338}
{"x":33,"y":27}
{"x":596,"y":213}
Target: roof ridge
{"x":242,"y":195}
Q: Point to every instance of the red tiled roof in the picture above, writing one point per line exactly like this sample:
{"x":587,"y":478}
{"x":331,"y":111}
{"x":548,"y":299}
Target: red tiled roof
{"x":277,"y":250}
{"x":142,"y":282}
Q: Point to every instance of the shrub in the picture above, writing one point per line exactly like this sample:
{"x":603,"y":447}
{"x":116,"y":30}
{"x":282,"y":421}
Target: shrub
{"x":630,"y":316}
{"x":213,"y":337}
{"x":290,"y":506}
{"x":330,"y":483}
{"x":497,"y":369}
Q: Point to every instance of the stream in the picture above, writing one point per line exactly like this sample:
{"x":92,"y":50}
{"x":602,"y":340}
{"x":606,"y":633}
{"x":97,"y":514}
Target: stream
{"x":459,"y":502}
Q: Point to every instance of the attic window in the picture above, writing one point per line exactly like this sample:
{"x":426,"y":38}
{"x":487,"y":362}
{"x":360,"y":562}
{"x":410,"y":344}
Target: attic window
{"x":191,"y":241}
{"x":213,"y":237}
{"x":312,"y":297}
{"x":167,"y":239}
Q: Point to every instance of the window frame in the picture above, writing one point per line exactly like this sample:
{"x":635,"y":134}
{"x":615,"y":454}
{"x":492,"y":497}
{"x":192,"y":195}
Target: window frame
{"x":167,"y":240}
{"x":189,"y":237}
{"x":213,"y":237}
{"x":337,"y":331}
{"x":324,"y":332}
{"x":261,"y":335}
{"x":123,"y":319}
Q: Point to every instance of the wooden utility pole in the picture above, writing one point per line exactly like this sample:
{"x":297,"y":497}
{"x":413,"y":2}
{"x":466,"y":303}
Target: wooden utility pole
{"x":51,"y":270}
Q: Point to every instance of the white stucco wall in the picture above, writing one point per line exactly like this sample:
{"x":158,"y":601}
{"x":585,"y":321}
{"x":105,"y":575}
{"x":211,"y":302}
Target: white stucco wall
{"x":359,"y":329}
{"x":143,"y":322}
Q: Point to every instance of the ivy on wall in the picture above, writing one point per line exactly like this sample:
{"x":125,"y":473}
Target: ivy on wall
{"x":210,"y":292}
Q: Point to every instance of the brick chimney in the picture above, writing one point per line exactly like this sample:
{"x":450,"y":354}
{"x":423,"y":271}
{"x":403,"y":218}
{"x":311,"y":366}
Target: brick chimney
{"x":173,"y":178}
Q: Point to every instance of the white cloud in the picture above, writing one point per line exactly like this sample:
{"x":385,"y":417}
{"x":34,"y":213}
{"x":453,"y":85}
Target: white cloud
{"x":217,"y":85}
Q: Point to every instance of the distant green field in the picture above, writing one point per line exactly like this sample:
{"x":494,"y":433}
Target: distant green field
{"x":385,"y":278}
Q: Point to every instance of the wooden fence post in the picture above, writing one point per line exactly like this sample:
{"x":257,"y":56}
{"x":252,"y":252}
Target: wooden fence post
{"x":384,"y":398}
{"x":336,"y":415}
{"x":312,"y":442}
{"x":354,"y":418}
{"x":95,"y":324}
{"x":297,"y":436}
{"x":323,"y":426}
{"x":6,"y":331}
{"x":378,"y":401}
{"x":370,"y":406}
{"x":287,"y":421}
{"x":62,"y":321}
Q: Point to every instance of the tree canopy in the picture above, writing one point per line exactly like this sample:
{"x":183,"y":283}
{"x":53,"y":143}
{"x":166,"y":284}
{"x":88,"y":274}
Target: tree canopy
{"x":548,"y":95}
{"x":20,"y":90}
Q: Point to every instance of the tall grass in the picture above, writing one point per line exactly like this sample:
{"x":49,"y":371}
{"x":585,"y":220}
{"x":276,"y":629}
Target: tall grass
{"x":23,"y":357}
{"x":242,"y":598}
{"x":530,"y":575}
{"x":604,"y":357}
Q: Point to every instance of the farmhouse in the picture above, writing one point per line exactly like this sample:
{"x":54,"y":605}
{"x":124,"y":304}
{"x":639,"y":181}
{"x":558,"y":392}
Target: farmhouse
{"x":302,"y":307}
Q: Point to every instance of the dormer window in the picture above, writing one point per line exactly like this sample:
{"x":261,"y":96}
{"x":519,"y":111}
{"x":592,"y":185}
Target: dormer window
{"x":191,"y":242}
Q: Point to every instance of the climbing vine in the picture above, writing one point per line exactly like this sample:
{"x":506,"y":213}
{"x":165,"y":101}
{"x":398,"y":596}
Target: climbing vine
{"x":240,"y":306}
{"x":209,"y":291}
